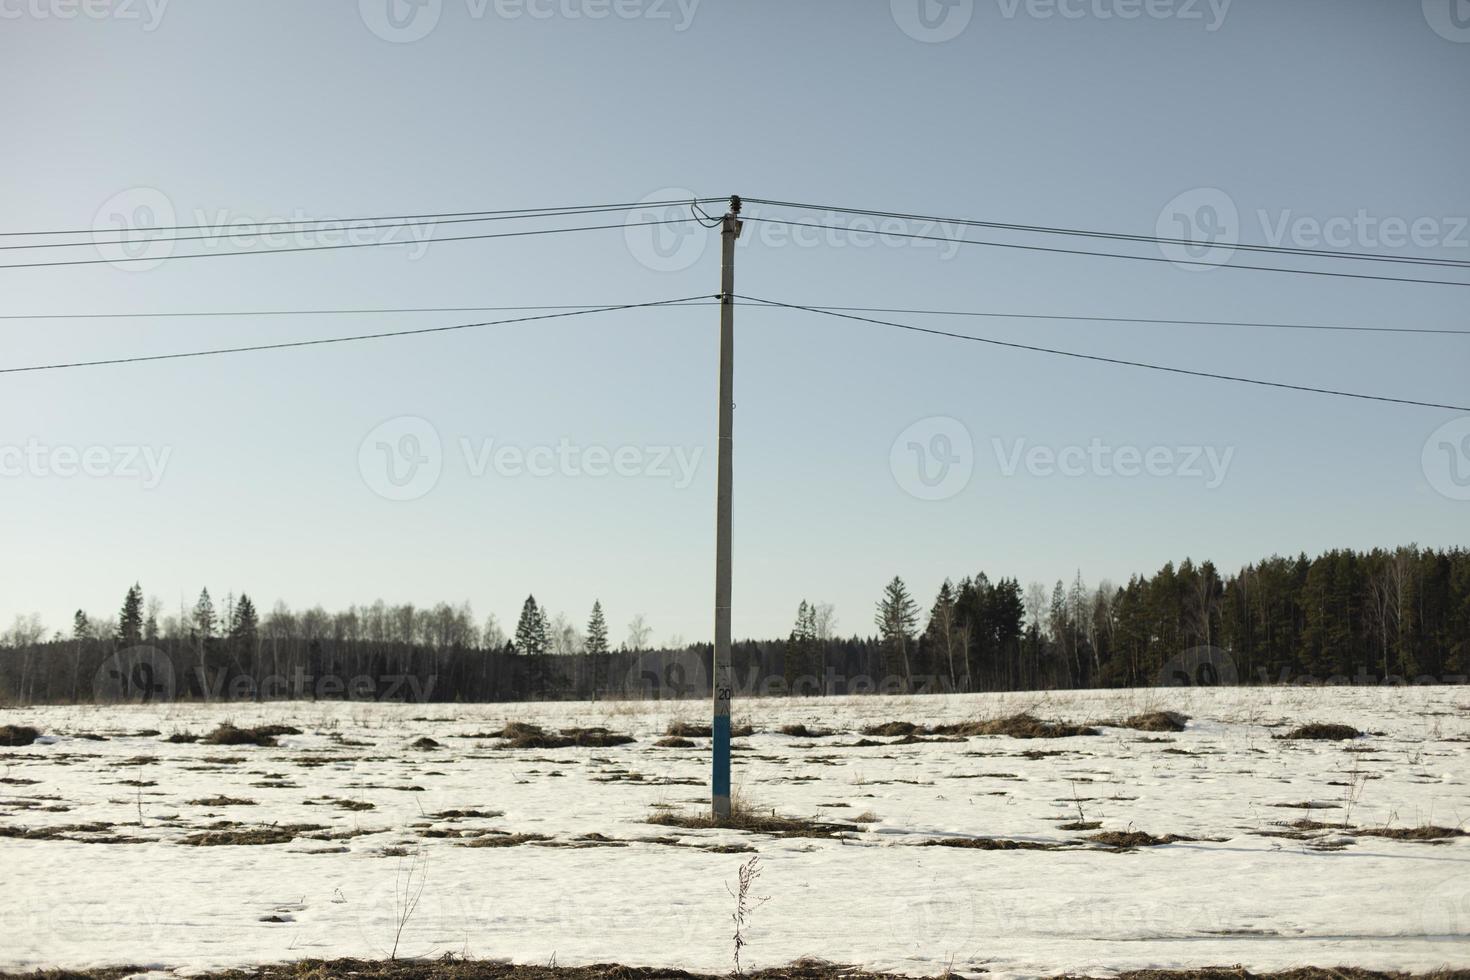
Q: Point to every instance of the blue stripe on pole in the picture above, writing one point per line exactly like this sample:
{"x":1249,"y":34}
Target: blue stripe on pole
{"x":721,"y":780}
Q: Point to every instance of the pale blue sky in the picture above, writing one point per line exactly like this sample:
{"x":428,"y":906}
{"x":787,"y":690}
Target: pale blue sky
{"x":271,"y":109}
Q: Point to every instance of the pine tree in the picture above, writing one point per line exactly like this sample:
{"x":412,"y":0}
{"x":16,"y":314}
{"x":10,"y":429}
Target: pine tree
{"x":130,"y":621}
{"x":246,"y":623}
{"x":897,"y":616}
{"x":596,"y":646}
{"x":801,"y":649}
{"x":530,"y":631}
{"x":940,"y":635}
{"x":81,"y":627}
{"x":204,"y":617}
{"x":597,"y":630}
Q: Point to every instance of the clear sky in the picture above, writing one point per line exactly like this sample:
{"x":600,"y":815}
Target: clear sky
{"x":1096,"y":114}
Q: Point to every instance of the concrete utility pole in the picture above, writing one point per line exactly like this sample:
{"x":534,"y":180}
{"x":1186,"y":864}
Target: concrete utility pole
{"x":722,"y":681}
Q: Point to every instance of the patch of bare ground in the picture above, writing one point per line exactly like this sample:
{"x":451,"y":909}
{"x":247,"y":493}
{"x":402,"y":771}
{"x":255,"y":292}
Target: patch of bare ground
{"x":1153,"y":721}
{"x":751,"y":819}
{"x":802,"y":731}
{"x":519,"y":735}
{"x":14,"y":736}
{"x":1298,"y":973}
{"x":262,"y":735}
{"x":685,"y":729}
{"x":182,"y":738}
{"x":1128,"y":840}
{"x":1018,"y":726}
{"x":466,"y":814}
{"x":1306,"y":829}
{"x":453,"y":968}
{"x":1426,"y":833}
{"x":1320,"y":732}
{"x":244,"y":836}
{"x":450,"y":967}
{"x":674,"y":742}
{"x":221,"y":800}
{"x":80,"y":833}
{"x":496,"y":838}
{"x":1023,"y":725}
{"x":994,"y":844}
{"x":104,"y":973}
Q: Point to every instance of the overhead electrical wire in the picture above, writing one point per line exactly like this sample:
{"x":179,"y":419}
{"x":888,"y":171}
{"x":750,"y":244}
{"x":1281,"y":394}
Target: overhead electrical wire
{"x":1107,"y":360}
{"x":322,"y":248}
{"x":1107,"y":255}
{"x":135,"y":359}
{"x":350,"y":225}
{"x":478,"y":215}
{"x":1121,"y":236}
{"x":1080,"y":318}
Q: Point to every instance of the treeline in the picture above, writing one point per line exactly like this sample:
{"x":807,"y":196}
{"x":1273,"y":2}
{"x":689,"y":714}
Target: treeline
{"x":1363,"y":617}
{"x":1344,"y":616}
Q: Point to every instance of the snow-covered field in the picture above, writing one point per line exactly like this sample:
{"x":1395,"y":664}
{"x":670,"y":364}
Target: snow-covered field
{"x":1239,"y":895}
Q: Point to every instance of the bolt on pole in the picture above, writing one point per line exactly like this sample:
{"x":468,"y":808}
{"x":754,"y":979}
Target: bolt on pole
{"x":721,"y":674}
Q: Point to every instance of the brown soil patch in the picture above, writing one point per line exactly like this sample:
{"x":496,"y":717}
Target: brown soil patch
{"x":1127,"y":840}
{"x":14,"y":736}
{"x":1321,"y":732}
{"x":755,"y":821}
{"x":261,"y":735}
{"x":1155,"y":721}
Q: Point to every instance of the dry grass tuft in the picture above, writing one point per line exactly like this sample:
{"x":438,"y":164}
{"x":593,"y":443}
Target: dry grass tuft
{"x":531,"y":737}
{"x":261,"y":735}
{"x":1017,"y":726}
{"x":1322,"y":732}
{"x":503,"y":840}
{"x":14,"y":736}
{"x":1127,"y":840}
{"x":1156,"y":721}
{"x":250,"y":835}
{"x":744,"y":816}
{"x":674,"y":742}
{"x":450,"y":967}
{"x":992,"y":844}
{"x":802,"y":731}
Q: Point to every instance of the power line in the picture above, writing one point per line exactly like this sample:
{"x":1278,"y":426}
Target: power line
{"x":340,"y":340}
{"x":1122,"y":236}
{"x":1141,"y":320}
{"x":353,"y":225}
{"x":1106,"y":360}
{"x":1447,"y":331}
{"x":484,"y":215}
{"x":1107,"y":255}
{"x":341,"y":312}
{"x":321,"y":248}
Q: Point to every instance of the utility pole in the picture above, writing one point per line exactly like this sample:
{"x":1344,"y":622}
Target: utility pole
{"x":721,"y":676}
